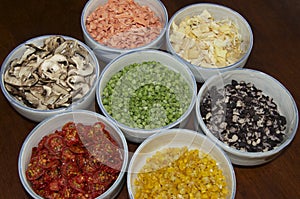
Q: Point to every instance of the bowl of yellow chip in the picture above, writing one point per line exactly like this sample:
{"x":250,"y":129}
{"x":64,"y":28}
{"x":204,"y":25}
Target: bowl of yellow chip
{"x":180,"y":163}
{"x":210,"y":38}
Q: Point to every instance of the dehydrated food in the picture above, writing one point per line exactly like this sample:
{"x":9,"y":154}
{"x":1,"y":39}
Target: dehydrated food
{"x":241,"y":116}
{"x":180,"y":173}
{"x":52,"y":75}
{"x":123,"y":24}
{"x":146,"y":95}
{"x":76,"y":161}
{"x":207,"y":42}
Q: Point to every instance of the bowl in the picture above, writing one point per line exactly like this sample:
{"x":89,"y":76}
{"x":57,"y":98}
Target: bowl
{"x":157,"y":92}
{"x":257,"y":117}
{"x":205,"y":52}
{"x":121,"y":39}
{"x":171,"y":139}
{"x":51,"y":127}
{"x":38,"y":83}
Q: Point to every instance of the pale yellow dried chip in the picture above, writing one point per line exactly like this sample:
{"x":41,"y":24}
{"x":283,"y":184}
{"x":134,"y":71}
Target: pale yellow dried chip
{"x":207,"y":42}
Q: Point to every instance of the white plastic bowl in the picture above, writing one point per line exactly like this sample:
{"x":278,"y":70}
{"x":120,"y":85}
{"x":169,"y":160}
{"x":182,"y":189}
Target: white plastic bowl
{"x":135,"y":134}
{"x":55,"y":123}
{"x":179,"y":138}
{"x":36,"y":115}
{"x":270,"y":87}
{"x":218,"y":12}
{"x":105,"y":53}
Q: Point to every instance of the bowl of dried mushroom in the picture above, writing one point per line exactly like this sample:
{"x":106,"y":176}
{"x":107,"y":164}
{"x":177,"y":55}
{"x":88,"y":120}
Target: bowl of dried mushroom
{"x":48,"y":75}
{"x":248,"y":113}
{"x":210,"y":38}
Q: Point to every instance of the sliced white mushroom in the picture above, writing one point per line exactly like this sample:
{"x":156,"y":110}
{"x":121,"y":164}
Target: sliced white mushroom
{"x":83,"y":68}
{"x":31,"y":99}
{"x":59,"y":90}
{"x":74,"y":80}
{"x":24,"y":57}
{"x":63,"y":100}
{"x":80,"y":90}
{"x":50,"y":100}
{"x":52,"y":75}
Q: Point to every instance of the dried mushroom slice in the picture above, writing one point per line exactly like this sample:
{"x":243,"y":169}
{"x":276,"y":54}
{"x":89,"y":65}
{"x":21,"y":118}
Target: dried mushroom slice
{"x":52,"y":75}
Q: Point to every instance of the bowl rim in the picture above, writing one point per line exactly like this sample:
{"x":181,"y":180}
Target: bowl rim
{"x":83,"y":112}
{"x":148,"y":131}
{"x":234,"y":151}
{"x":102,"y":47}
{"x":22,"y":106}
{"x":178,"y":131}
{"x":213,"y":5}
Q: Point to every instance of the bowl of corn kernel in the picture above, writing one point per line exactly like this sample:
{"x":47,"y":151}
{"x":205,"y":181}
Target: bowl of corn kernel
{"x":180,"y":163}
{"x":210,"y":38}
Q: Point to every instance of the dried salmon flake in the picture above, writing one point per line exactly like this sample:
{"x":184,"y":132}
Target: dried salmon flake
{"x":123,"y":24}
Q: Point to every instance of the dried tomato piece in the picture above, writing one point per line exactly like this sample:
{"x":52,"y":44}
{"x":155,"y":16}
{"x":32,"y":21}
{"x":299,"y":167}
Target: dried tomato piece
{"x":54,"y":143}
{"x":67,"y":155}
{"x":88,"y":165}
{"x":46,"y":160}
{"x":42,"y":143}
{"x":69,"y":169}
{"x":70,"y":134}
{"x":54,"y":185}
{"x":69,"y":126}
{"x":78,"y":183}
{"x":104,"y":178}
{"x":34,"y":170}
{"x":51,"y":174}
{"x":66,"y":192}
{"x":78,"y":149}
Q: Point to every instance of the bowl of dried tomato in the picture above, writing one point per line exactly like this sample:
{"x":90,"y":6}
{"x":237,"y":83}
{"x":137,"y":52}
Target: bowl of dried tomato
{"x":249,"y":114}
{"x":112,"y":27}
{"x":209,"y":38}
{"x":78,"y":154}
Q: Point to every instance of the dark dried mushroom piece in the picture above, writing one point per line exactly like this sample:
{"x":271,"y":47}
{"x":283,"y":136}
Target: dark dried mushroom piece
{"x":243,"y":117}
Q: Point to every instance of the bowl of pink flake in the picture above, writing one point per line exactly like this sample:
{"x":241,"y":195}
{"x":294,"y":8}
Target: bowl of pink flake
{"x":114,"y":27}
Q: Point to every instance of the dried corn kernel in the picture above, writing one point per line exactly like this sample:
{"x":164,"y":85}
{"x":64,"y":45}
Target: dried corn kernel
{"x":180,"y":173}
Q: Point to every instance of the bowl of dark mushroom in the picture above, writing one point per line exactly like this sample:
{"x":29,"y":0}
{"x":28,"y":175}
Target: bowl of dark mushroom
{"x":250,"y":114}
{"x":48,"y":75}
{"x":146,"y":91}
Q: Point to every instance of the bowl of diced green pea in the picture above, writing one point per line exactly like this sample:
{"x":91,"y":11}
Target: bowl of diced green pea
{"x":146,"y":91}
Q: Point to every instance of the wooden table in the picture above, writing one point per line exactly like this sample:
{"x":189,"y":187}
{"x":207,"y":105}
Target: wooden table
{"x":276,"y":29}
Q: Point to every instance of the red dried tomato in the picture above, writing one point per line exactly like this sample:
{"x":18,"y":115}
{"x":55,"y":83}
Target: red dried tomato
{"x":54,"y":143}
{"x":69,"y":169}
{"x":78,"y":183}
{"x":78,"y":161}
{"x":67,"y":155}
{"x":34,"y":170}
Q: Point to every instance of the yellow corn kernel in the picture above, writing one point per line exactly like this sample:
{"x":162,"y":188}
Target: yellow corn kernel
{"x":180,"y":173}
